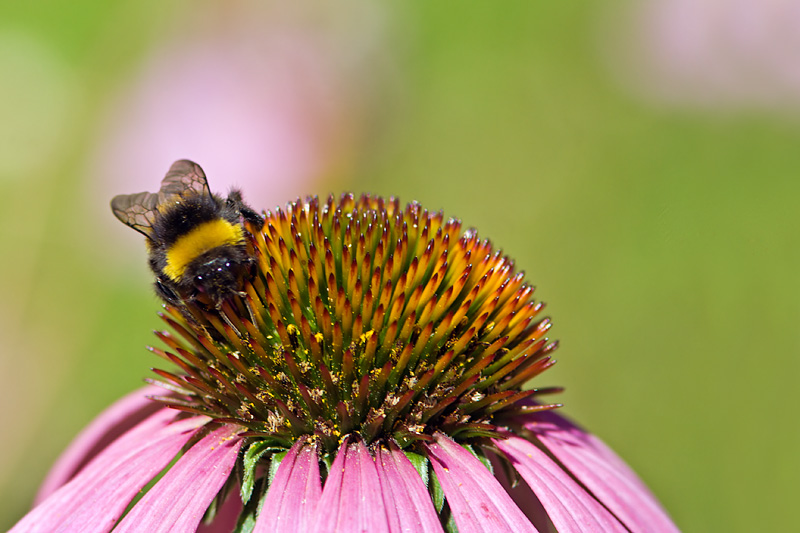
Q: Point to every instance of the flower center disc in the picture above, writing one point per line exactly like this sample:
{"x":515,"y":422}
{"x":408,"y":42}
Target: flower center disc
{"x":360,"y":316}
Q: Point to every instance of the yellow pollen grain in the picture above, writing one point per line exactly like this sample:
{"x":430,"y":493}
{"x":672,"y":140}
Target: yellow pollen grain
{"x":201,"y":239}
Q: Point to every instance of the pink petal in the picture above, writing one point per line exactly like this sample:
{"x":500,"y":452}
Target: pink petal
{"x":351,"y":499}
{"x":95,"y":498}
{"x":479,"y":503}
{"x":110,"y":424}
{"x":227,"y":515}
{"x":522,"y":495}
{"x":408,"y":503}
{"x":293,"y":495}
{"x":568,"y":505}
{"x":595,"y":465}
{"x":178,"y":501}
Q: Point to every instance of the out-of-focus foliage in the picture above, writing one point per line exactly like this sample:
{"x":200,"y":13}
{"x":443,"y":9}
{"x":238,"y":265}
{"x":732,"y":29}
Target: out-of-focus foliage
{"x":663,"y":237}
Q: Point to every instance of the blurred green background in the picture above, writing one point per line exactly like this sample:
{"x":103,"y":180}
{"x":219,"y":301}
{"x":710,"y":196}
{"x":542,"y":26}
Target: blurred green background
{"x":663,"y":237}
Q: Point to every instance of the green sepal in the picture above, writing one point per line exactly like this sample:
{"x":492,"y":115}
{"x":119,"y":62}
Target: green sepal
{"x":250,"y":461}
{"x":277,"y":459}
{"x":247,"y":518}
{"x":437,"y":494}
{"x":450,"y":526}
{"x":480,"y":456}
{"x":421,"y":464}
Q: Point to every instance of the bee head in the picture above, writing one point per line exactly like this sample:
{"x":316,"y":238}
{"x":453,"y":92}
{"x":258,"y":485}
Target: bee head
{"x":217,"y":275}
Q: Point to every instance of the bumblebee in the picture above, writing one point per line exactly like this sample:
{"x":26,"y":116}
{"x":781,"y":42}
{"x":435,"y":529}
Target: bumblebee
{"x":196,"y":240}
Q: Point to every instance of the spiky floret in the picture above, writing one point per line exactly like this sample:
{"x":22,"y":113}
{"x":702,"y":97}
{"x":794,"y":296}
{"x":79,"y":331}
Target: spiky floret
{"x":362,"y":317}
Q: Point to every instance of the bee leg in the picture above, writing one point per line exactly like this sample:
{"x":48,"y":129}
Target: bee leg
{"x":166,"y":294}
{"x":250,"y":215}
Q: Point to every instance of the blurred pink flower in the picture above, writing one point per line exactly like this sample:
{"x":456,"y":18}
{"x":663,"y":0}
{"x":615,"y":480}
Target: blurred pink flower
{"x":718,"y":54}
{"x":267,"y":97}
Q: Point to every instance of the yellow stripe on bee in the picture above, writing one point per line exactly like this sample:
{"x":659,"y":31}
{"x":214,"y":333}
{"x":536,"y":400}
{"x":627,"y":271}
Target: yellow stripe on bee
{"x":201,"y":239}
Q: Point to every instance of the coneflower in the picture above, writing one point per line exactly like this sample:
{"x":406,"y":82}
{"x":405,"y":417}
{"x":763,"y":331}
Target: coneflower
{"x":368,"y":377}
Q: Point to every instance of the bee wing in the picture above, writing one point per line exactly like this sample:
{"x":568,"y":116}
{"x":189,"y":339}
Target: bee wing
{"x":183,"y":176}
{"x":139,"y":210}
